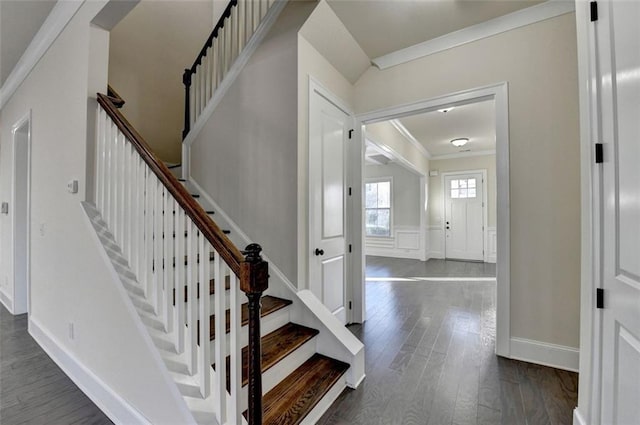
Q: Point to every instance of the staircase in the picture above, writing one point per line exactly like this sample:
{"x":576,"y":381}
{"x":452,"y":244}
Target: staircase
{"x":183,"y":274}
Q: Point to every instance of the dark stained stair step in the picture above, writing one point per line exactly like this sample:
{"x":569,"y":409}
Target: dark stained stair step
{"x":227,"y":285}
{"x":269,"y":305}
{"x":289,"y":402}
{"x":275,"y":346}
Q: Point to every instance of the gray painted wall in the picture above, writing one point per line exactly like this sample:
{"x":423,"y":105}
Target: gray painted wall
{"x":246,"y":156}
{"x":405,"y":192}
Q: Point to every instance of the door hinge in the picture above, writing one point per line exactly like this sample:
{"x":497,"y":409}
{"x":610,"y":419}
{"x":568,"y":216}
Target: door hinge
{"x":599,"y":298}
{"x":349,"y":247}
{"x":349,"y":305}
{"x":599,"y":153}
{"x":593,"y":11}
{"x":349,"y":191}
{"x":350,"y":133}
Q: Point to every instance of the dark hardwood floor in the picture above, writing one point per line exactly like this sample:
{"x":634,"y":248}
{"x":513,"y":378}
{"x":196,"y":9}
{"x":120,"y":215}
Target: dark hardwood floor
{"x":430,"y":356}
{"x":33,"y":389}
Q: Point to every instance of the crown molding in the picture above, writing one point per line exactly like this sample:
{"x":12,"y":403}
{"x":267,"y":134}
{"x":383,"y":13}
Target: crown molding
{"x":51,"y":28}
{"x":407,"y":135}
{"x":463,"y":154}
{"x":520,"y":18}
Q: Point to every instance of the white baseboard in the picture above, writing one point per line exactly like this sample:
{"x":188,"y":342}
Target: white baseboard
{"x":6,"y":301}
{"x":438,"y":255}
{"x":393,"y":253}
{"x":110,"y":402}
{"x":542,"y":353}
{"x":577,"y":418}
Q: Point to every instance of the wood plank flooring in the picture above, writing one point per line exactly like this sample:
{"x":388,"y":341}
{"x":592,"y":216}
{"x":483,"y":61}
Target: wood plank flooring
{"x":430,"y":356}
{"x":33,"y":389}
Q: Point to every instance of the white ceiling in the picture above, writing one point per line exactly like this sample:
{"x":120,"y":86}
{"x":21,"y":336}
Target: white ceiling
{"x":384,"y":26}
{"x":435,"y":130}
{"x":19,"y":22}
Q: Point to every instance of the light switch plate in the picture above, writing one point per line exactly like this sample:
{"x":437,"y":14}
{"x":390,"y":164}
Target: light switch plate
{"x":72,"y":186}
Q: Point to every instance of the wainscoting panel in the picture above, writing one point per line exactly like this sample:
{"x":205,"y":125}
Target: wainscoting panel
{"x":406,"y":242}
{"x":436,"y":241}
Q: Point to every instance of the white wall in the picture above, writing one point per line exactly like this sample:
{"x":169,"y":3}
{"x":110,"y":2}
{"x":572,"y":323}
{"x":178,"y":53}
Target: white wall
{"x":246,"y":155}
{"x":149,"y":50}
{"x":70,"y":282}
{"x":539,"y":62}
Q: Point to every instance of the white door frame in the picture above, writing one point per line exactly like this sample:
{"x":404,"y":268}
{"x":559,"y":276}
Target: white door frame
{"x":316,"y":87}
{"x":485,"y":209}
{"x":500,"y":94}
{"x":21,"y":305}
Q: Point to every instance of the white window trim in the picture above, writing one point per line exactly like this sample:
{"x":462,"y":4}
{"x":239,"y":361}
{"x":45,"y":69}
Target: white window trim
{"x":391,"y":190}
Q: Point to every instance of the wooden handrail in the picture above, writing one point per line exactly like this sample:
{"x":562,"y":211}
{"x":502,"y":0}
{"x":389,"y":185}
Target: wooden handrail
{"x":116,"y":99}
{"x":188,"y":73}
{"x":219,"y":25}
{"x":249,"y":266}
{"x":209,"y":229}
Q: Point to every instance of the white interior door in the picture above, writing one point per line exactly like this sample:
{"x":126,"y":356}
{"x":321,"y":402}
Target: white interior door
{"x":20,"y":220}
{"x":327,"y":180}
{"x":464,"y":216}
{"x":618,"y":35}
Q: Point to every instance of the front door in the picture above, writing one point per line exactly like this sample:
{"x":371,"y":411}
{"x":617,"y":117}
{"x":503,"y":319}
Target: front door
{"x":618,"y":35}
{"x":327,"y":179}
{"x":464,"y":216}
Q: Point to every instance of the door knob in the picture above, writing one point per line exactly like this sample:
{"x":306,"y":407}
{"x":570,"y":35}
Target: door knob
{"x":319,"y":251}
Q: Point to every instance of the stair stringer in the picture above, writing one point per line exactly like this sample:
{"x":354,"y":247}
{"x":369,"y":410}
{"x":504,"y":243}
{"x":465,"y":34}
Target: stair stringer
{"x":155,"y":340}
{"x":334,"y":339}
{"x":252,"y":45}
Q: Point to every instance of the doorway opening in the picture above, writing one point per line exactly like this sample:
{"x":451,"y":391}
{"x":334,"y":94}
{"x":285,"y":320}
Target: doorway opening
{"x":20,"y":212}
{"x":458,"y":187}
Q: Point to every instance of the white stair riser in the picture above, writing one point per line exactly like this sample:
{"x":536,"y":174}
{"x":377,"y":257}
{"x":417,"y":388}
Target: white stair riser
{"x":268,"y":324}
{"x":281,"y":370}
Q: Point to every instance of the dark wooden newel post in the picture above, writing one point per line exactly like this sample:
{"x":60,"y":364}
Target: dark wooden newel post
{"x":254,"y":280}
{"x":186,"y":80}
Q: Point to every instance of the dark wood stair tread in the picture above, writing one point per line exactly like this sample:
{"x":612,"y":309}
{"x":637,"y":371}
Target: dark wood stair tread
{"x":227,"y":285}
{"x":275,"y":346}
{"x":269,"y":305}
{"x":289,"y":402}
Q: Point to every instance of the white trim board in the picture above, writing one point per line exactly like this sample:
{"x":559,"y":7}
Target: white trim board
{"x":58,"y":18}
{"x":542,"y":353}
{"x":577,"y":418}
{"x":511,"y":21}
{"x":108,"y":400}
{"x":500,"y":93}
{"x":6,"y":301}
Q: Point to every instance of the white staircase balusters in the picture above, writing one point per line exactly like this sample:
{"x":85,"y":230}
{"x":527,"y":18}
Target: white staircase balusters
{"x":204,"y":310}
{"x":192,"y":300}
{"x":237,"y":25}
{"x":168,"y":252}
{"x":235,"y":351}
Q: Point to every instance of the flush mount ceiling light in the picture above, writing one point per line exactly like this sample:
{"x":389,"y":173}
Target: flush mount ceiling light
{"x":445,"y":110}
{"x":459,"y":142}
